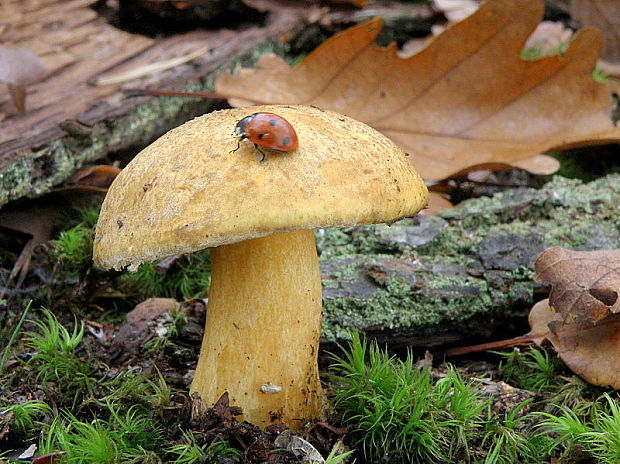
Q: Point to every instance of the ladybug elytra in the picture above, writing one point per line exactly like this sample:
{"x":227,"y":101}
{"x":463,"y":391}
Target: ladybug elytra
{"x":267,"y":130}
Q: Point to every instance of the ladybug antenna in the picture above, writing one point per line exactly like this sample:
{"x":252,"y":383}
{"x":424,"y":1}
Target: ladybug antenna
{"x":238,"y":145}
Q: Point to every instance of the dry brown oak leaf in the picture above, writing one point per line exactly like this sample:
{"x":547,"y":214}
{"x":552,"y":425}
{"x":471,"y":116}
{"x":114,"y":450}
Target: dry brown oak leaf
{"x":590,"y":351}
{"x":584,"y":284}
{"x":605,"y":15}
{"x":466,"y":99}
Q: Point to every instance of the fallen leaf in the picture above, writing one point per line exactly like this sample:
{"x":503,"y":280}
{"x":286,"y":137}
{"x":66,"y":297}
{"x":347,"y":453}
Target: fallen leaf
{"x":50,"y":458}
{"x":539,"y":318}
{"x":33,"y":219}
{"x":221,"y":414}
{"x":604,"y":15}
{"x":141,"y":323}
{"x":91,"y":179}
{"x":102,"y":332}
{"x":590,"y":351}
{"x":18,"y":69}
{"x":584,"y":284}
{"x":299,"y":447}
{"x":466,"y":101}
{"x":223,"y":410}
{"x":540,"y":165}
{"x":28,"y":453}
{"x":436,"y":204}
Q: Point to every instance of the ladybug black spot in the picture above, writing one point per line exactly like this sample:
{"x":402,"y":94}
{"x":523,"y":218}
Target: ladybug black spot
{"x":273,"y":122}
{"x":286,"y":141}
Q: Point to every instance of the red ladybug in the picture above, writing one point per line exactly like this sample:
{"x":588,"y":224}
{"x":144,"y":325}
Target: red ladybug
{"x":267,"y":130}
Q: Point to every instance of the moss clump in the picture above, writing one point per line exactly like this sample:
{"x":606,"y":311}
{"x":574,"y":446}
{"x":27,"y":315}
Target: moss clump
{"x":190,"y":277}
{"x":397,"y":412}
{"x":74,"y":246}
{"x":187,"y":277}
{"x":401,"y":411}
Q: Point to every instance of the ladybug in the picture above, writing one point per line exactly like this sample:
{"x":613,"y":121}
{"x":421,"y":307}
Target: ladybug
{"x":267,"y":130}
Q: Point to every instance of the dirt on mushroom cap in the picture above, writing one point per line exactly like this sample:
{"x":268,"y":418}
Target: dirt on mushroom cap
{"x":188,"y":190}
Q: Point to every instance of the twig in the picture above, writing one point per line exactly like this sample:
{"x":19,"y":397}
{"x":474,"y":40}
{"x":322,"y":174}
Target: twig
{"x":172,"y":93}
{"x":149,"y":68}
{"x":527,"y":339}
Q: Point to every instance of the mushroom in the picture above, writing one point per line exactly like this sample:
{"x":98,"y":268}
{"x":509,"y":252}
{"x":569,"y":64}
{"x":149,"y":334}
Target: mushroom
{"x":187,"y":191}
{"x":19,"y":68}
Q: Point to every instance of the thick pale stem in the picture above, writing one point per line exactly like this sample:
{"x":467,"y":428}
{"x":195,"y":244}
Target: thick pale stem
{"x":262,"y":330}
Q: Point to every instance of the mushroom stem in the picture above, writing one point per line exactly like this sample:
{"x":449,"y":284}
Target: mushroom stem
{"x":262,"y":329}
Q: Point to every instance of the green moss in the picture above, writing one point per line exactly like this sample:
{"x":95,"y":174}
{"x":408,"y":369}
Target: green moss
{"x":189,"y":277}
{"x":399,"y":307}
{"x":452,"y":244}
{"x":570,"y":236}
{"x":396,"y":412}
{"x":534,"y":370}
{"x":348,"y":241}
{"x":25,"y":415}
{"x":74,"y":246}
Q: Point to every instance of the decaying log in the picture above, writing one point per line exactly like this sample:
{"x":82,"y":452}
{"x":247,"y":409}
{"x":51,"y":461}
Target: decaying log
{"x":464,"y":276}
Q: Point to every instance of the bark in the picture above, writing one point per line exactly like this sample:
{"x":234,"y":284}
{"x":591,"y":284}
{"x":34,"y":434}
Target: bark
{"x":464,"y":276}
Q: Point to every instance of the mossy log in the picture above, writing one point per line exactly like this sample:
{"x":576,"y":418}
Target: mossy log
{"x":466,"y":275}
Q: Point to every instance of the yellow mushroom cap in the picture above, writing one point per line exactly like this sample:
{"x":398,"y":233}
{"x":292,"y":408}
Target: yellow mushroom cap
{"x":188,"y":191}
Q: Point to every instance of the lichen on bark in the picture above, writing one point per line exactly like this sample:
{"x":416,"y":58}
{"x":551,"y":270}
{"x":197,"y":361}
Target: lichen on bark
{"x":465,"y":274}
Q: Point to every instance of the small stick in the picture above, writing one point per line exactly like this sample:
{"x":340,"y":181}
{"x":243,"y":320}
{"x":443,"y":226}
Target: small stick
{"x":172,"y":93}
{"x":527,"y":339}
{"x":150,"y":68}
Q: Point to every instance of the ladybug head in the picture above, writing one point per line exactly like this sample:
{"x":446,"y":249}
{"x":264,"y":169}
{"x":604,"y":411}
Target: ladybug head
{"x":240,"y":128}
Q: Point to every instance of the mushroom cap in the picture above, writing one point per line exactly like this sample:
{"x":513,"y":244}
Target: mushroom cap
{"x":189,"y":190}
{"x":19,"y":66}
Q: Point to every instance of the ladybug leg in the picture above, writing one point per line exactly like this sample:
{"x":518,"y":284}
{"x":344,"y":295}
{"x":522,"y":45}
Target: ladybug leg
{"x":264,"y":155}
